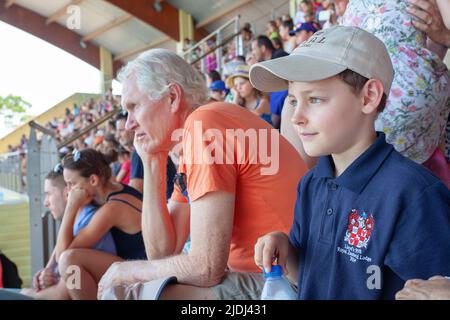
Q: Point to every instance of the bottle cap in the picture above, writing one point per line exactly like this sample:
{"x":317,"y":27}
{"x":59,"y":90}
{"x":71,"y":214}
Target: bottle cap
{"x":276,"y":271}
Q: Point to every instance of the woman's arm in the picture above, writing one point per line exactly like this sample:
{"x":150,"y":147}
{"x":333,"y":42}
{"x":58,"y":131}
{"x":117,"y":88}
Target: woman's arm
{"x":121,"y":175}
{"x":427,"y":18}
{"x":236,"y":97}
{"x":264,"y":107}
{"x":52,"y":261}
{"x":75,"y":202}
{"x":444,"y":9}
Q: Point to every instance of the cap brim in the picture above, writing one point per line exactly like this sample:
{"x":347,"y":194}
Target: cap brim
{"x":274,"y":75}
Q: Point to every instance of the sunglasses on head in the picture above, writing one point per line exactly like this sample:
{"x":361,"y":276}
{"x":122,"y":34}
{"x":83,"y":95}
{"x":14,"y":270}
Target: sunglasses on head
{"x":76,"y":155}
{"x":58,"y":168}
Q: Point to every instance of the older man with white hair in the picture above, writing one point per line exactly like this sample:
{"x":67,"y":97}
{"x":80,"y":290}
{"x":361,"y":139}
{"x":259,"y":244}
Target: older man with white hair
{"x":236,"y":181}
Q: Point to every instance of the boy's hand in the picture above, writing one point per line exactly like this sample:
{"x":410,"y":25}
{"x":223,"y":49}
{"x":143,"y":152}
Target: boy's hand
{"x":273,"y":246}
{"x":435,"y":288}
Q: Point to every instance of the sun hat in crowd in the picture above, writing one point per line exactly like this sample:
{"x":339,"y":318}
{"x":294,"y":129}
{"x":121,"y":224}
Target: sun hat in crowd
{"x":229,"y":67}
{"x":327,"y":53}
{"x":240,"y":71}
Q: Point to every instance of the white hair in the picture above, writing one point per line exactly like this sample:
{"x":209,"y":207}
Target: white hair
{"x":155,"y":69}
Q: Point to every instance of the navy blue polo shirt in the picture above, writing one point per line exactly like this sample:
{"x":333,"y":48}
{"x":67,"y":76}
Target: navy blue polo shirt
{"x":361,"y":235}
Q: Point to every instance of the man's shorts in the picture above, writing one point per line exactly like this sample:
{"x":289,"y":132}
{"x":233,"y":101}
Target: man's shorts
{"x":239,"y":286}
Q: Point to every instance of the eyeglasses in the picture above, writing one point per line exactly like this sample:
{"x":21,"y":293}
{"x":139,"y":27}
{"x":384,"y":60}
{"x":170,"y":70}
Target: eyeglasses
{"x":58,"y":168}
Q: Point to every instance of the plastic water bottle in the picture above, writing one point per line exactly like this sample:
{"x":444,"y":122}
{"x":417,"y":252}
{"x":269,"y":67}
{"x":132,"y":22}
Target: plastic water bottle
{"x":276,"y":287}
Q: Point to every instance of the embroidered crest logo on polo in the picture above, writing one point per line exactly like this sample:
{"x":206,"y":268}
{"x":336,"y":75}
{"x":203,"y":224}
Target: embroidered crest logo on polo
{"x":359,"y":229}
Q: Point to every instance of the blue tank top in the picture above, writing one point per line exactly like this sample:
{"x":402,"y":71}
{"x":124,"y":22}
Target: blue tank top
{"x":128,"y":246}
{"x":106,"y":243}
{"x":265,"y":116}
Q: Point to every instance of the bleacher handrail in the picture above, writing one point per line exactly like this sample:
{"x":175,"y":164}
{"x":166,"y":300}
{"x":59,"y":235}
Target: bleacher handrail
{"x":224,"y":42}
{"x":187,"y":54}
{"x":41,"y":128}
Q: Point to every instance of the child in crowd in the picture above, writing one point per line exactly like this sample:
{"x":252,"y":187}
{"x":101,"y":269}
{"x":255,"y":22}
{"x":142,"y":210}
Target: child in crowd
{"x":125,"y":168}
{"x":366,"y":217}
{"x":247,"y":96}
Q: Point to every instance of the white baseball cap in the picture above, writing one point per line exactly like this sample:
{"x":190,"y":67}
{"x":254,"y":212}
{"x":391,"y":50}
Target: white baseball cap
{"x":327,"y":53}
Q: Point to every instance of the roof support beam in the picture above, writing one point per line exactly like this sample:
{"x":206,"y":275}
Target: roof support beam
{"x":62,"y":12}
{"x":54,"y":33}
{"x":161,"y":15}
{"x":106,"y":28}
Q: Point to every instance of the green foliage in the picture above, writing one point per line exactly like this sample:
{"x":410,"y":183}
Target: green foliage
{"x":14,"y":104}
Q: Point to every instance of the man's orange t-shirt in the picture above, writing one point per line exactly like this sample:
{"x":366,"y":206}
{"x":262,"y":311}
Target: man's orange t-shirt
{"x":264,"y":199}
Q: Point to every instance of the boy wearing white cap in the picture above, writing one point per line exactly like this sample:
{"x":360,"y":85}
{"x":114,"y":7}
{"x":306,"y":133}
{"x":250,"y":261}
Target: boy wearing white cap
{"x":366,"y":218}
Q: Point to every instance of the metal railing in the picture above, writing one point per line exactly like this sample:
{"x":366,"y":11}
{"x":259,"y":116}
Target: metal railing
{"x":11,"y":173}
{"x":218,"y":36}
{"x":41,"y":158}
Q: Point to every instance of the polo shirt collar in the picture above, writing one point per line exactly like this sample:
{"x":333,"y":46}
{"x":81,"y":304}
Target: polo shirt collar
{"x":359,"y":173}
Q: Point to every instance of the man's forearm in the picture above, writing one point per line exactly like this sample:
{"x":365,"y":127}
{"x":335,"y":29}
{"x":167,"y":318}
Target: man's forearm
{"x":157,"y":227}
{"x":189,"y":270}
